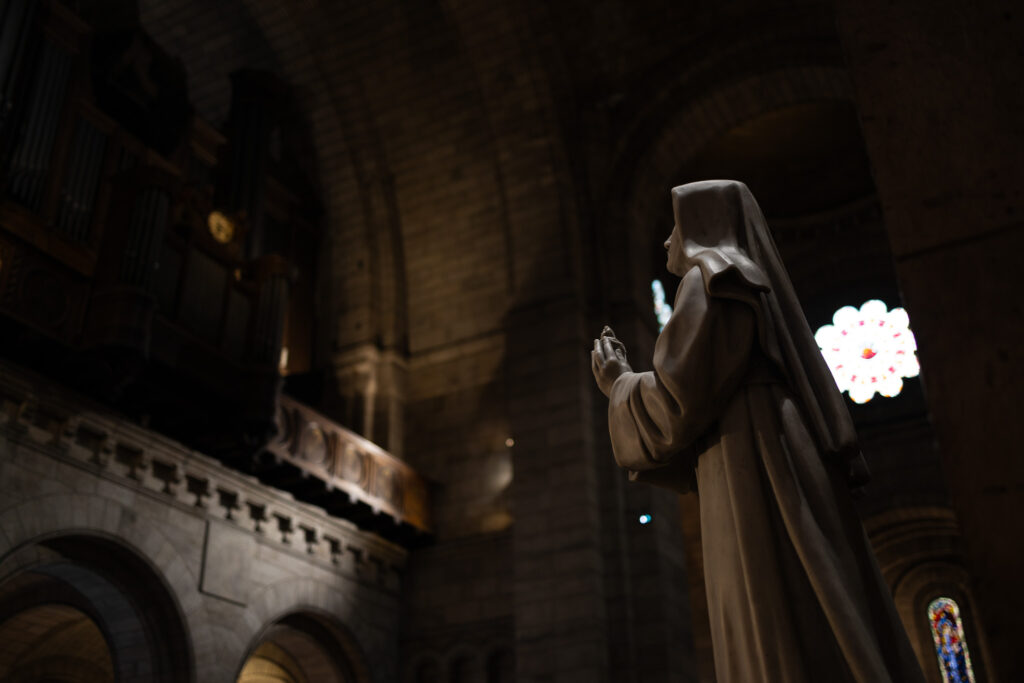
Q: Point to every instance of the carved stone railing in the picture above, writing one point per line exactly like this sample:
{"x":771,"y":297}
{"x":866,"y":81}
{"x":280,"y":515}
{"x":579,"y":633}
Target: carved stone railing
{"x":54,"y":423}
{"x":323,"y":463}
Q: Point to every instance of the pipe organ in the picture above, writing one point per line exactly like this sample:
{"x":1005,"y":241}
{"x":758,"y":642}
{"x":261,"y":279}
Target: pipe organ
{"x":148,"y":255}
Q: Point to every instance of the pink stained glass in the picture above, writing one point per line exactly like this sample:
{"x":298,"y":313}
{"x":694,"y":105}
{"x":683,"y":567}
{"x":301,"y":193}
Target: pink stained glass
{"x":869,"y":350}
{"x":950,"y":646}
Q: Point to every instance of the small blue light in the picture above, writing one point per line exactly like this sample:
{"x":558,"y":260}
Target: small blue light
{"x":645,"y":519}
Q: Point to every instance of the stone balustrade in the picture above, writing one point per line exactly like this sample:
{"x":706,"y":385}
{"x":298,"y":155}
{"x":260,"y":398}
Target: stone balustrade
{"x":339,"y":461}
{"x":57,"y":424}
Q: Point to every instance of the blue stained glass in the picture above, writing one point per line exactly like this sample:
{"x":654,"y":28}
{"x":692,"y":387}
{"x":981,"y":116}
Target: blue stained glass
{"x":950,"y":645}
{"x":662,"y":311}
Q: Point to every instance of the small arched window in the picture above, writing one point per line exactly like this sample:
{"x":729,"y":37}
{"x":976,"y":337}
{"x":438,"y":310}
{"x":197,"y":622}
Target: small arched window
{"x":662,"y":311}
{"x":950,"y":644}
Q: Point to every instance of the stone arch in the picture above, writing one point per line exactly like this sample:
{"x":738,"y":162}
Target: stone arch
{"x":325,"y":646}
{"x":918,"y":550}
{"x":341,"y":616}
{"x":642,"y":176}
{"x":60,"y":529}
{"x":707,"y":117}
{"x":914,"y":592}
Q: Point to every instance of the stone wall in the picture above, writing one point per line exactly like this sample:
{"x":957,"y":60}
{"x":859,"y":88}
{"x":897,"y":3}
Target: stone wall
{"x":233,"y":555}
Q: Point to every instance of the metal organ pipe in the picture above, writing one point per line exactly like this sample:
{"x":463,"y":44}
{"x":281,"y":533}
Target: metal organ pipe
{"x":71,"y":173}
{"x":145,"y":236}
{"x":93,"y":162}
{"x":81,"y":180}
{"x":15,"y":36}
{"x":270,"y":312}
{"x":255,"y":109}
{"x":32,"y":156}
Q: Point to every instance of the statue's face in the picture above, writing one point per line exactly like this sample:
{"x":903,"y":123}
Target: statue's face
{"x":674,"y":247}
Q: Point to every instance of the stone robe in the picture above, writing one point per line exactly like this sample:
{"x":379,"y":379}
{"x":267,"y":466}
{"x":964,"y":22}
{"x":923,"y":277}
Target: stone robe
{"x":794,"y":593}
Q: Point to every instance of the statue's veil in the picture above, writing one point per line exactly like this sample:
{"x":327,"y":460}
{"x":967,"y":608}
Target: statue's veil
{"x":722,"y":230}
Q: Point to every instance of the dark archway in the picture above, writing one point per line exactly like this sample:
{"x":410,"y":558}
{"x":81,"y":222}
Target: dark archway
{"x":99,"y":604}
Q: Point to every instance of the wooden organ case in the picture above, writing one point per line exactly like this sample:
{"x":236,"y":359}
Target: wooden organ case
{"x":155,"y":262}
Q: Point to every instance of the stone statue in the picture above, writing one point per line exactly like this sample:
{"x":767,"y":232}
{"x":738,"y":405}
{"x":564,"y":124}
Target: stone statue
{"x":741,"y":407}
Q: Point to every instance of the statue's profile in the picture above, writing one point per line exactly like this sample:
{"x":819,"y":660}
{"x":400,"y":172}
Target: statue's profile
{"x":741,"y":406}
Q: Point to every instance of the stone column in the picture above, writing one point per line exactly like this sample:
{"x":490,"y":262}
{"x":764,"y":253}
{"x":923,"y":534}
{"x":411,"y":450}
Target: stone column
{"x":561,"y":616}
{"x":371,"y":383}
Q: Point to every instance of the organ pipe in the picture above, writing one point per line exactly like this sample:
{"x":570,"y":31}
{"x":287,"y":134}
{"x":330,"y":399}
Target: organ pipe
{"x":270,"y":312}
{"x":145,"y":236}
{"x":255,"y":111}
{"x":16,"y":17}
{"x":31,"y":159}
{"x":82,"y":176}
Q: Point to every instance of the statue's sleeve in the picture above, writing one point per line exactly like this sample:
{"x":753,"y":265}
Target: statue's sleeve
{"x":700,"y":358}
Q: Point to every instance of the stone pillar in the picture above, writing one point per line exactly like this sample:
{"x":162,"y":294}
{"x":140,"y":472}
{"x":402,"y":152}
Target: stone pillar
{"x":561,"y":615}
{"x":598,"y":596}
{"x":371,"y":383}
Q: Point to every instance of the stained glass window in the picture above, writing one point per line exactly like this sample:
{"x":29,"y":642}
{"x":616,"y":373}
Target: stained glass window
{"x":662,"y":311}
{"x":869,"y":350}
{"x":950,"y":645}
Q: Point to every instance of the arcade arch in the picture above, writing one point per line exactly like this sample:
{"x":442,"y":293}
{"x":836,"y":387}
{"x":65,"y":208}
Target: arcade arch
{"x":80,"y":606}
{"x":304,"y":647}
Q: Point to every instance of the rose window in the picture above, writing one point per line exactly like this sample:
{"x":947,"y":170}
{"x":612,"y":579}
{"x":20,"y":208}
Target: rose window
{"x":869,"y":350}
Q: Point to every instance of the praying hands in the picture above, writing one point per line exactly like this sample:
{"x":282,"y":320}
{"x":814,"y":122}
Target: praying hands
{"x":608,"y":360}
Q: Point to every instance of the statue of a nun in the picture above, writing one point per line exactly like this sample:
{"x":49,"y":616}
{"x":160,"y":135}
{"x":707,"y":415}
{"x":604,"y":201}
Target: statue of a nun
{"x":742,"y":407}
